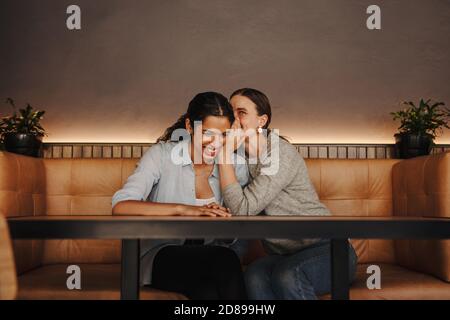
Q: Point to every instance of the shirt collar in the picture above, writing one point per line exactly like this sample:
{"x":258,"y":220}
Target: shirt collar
{"x":188,"y":161}
{"x":215,"y":170}
{"x":184,"y":144}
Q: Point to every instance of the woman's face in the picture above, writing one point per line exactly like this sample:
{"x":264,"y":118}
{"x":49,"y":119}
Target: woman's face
{"x":245,"y":110}
{"x":210,"y":136}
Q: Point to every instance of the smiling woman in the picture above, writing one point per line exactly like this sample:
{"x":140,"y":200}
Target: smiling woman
{"x":162,"y":186}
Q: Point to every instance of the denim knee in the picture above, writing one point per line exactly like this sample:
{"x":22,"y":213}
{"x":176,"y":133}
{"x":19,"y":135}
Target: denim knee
{"x":254,"y":275}
{"x":284,"y":280}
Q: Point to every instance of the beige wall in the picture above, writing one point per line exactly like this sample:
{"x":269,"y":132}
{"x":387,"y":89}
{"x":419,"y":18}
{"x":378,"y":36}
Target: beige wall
{"x":135,"y":65}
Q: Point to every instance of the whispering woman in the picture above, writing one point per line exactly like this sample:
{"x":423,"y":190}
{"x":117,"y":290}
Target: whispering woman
{"x":279,"y":185}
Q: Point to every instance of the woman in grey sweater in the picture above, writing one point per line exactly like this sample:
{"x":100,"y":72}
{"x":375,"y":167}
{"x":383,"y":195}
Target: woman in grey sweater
{"x":279,"y":185}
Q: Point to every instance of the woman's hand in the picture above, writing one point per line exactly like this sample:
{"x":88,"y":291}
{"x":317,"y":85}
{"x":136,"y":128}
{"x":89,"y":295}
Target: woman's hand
{"x":187,"y":210}
{"x":237,"y":123}
{"x":237,"y":133}
{"x":214,"y":205}
{"x":232,"y":141}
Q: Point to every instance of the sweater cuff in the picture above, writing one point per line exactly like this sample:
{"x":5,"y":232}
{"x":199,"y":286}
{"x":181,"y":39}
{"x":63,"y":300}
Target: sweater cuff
{"x":232,"y":191}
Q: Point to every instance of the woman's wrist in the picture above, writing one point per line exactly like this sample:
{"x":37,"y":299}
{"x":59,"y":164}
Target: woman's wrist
{"x":179,"y":209}
{"x":225,"y":156}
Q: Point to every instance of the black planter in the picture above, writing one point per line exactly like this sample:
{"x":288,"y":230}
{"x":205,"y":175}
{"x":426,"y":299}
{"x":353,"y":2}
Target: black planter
{"x":23,"y":143}
{"x":412,"y":145}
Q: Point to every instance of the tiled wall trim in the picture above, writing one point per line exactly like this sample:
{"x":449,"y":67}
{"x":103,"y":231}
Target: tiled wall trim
{"x":308,"y":151}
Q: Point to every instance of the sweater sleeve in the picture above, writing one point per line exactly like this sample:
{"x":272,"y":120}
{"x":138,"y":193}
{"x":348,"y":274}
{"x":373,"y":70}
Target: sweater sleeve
{"x":276,"y":174}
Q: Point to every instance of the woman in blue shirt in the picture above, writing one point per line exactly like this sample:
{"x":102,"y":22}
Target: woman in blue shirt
{"x":180,"y":178}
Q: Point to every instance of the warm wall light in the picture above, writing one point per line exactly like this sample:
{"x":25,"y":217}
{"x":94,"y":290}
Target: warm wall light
{"x":345,"y":138}
{"x":99,"y":141}
{"x":330,"y":132}
{"x":291,"y":139}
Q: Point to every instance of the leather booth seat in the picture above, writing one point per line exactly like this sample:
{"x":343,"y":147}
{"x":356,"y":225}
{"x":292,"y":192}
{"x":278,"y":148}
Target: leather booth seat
{"x":99,"y":281}
{"x":410,"y":269}
{"x":8,"y":279}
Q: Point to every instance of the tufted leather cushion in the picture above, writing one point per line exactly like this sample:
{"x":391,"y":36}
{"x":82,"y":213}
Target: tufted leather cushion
{"x":8,"y":280}
{"x":22,"y":193}
{"x":98,"y":281}
{"x":79,"y":186}
{"x":398,"y":283}
{"x":83,"y":187}
{"x":357,"y":188}
{"x":421,"y":188}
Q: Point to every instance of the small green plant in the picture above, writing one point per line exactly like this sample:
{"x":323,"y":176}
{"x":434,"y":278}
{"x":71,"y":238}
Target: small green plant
{"x":424,"y":119}
{"x":26,"y":121}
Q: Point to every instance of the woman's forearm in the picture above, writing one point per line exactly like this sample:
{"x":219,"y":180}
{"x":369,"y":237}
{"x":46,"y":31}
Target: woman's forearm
{"x":136,"y":207}
{"x":227,"y":175}
{"x":234,"y":198}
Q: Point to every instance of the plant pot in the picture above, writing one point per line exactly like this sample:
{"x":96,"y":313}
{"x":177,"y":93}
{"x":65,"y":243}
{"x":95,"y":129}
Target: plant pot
{"x":23,"y":143}
{"x":412,"y":145}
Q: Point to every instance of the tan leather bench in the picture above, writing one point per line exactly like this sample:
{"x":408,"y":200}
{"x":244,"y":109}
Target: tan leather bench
{"x":416,"y":269}
{"x":8,"y":279}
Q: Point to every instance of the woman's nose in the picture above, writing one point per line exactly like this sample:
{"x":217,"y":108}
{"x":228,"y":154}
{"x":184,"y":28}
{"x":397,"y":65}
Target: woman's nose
{"x":207,"y":139}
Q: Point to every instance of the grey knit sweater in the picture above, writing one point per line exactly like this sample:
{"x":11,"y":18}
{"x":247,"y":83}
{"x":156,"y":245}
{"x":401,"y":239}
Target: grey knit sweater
{"x":287,"y":192}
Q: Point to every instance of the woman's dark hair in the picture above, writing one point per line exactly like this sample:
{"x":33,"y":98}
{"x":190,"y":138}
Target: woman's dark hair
{"x":262,"y":104}
{"x":201,"y":106}
{"x":259,"y":99}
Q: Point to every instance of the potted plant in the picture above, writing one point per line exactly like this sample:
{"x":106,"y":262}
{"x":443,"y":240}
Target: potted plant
{"x":22,"y":133}
{"x":419,"y":126}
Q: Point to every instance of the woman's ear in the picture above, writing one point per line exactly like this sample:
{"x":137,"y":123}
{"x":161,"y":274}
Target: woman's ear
{"x":187,"y":123}
{"x":263,"y":120}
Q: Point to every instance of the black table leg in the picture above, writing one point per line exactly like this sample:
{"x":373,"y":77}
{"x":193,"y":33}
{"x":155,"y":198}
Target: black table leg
{"x":339,"y":269}
{"x":129,"y":289}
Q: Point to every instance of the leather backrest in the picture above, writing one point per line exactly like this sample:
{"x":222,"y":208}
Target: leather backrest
{"x":421,"y":187}
{"x":357,"y":187}
{"x":22,"y":193}
{"x":8,"y":278}
{"x":85,"y":186}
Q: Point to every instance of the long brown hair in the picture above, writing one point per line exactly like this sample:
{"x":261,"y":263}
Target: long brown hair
{"x":259,"y":99}
{"x":201,"y":106}
{"x":262,"y":104}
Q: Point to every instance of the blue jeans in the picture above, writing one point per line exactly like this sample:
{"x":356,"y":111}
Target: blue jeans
{"x":303,"y":275}
{"x":239,"y":246}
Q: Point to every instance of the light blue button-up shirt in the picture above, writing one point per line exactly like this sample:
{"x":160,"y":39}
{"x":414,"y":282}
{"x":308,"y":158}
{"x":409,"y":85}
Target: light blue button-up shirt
{"x":165,"y":174}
